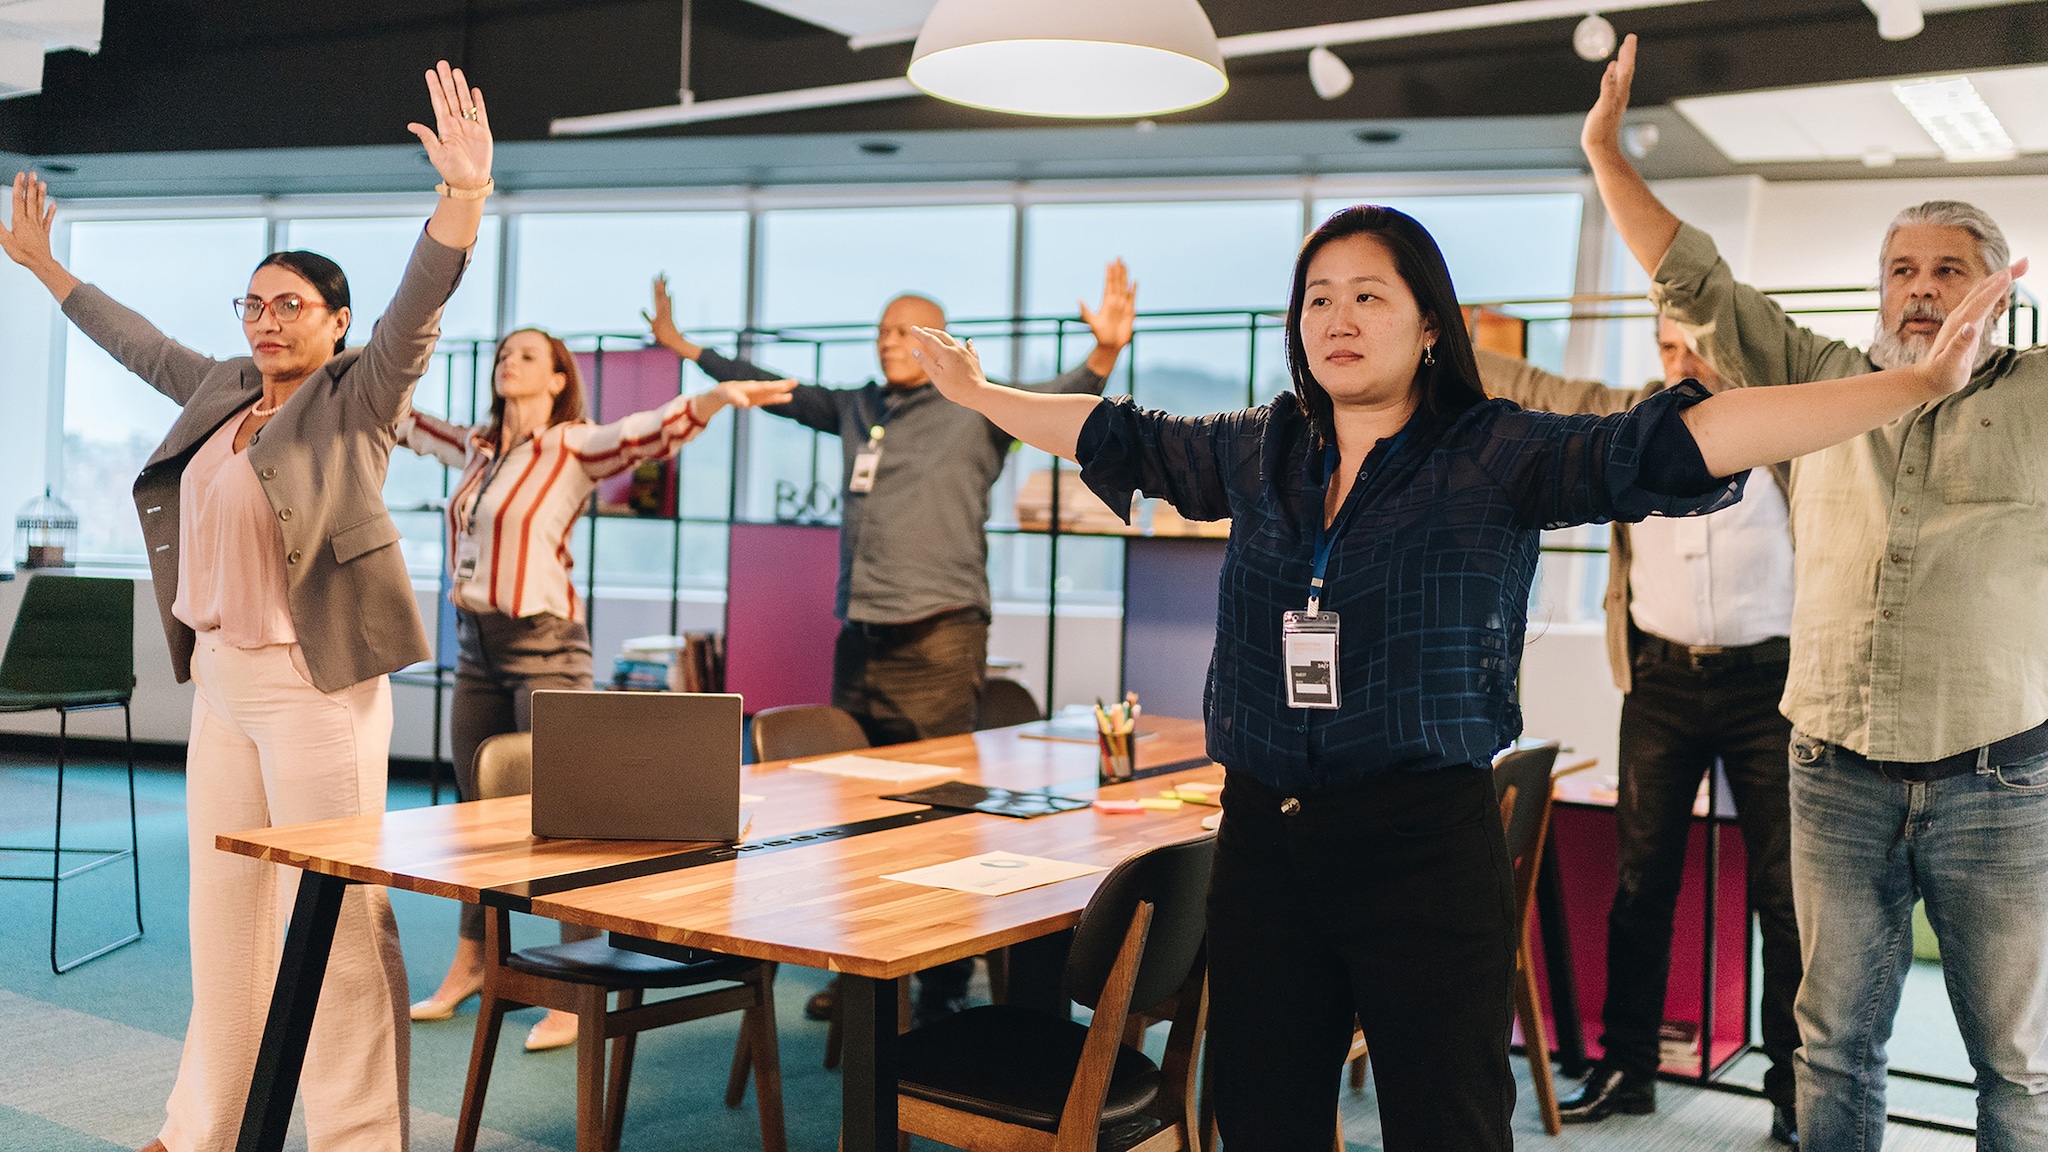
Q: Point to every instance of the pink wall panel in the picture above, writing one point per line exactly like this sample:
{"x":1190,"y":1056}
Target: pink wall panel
{"x":779,"y":627}
{"x":634,"y":380}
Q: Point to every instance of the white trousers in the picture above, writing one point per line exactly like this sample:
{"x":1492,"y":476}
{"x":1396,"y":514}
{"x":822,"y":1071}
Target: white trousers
{"x":267,"y":748}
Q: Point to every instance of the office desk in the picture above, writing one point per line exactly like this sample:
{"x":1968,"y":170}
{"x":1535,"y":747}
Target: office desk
{"x":818,"y":901}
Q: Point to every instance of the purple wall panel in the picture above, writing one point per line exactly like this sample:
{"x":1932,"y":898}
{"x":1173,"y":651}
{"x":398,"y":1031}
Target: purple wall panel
{"x":779,"y":628}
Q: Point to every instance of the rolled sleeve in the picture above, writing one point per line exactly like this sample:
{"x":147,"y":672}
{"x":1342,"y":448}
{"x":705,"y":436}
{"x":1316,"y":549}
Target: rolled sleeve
{"x":1189,"y":461}
{"x":1566,"y":470}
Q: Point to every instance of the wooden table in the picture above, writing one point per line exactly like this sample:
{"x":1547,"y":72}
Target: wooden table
{"x":817,"y":901}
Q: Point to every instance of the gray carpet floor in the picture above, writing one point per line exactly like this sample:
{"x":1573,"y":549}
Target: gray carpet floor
{"x":87,"y":1058}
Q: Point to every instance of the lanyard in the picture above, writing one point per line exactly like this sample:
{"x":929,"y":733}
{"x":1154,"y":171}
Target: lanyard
{"x":881,"y":422}
{"x":1326,"y":537}
{"x":490,"y":473}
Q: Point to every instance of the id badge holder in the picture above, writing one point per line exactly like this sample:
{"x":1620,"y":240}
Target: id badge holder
{"x":1308,"y":650}
{"x":468,"y":551}
{"x":866,"y":463}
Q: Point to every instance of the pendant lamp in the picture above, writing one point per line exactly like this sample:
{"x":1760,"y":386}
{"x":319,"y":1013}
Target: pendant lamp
{"x":1075,"y":58}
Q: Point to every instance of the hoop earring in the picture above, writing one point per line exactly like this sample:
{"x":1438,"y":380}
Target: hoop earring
{"x":1429,"y":355}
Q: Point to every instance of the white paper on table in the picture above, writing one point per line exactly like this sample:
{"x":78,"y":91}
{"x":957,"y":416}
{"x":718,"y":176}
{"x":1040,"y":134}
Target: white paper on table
{"x":750,"y":798}
{"x":871,"y":768}
{"x":995,"y":873}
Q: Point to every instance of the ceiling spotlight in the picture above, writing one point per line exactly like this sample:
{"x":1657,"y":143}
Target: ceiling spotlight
{"x":1955,"y":115}
{"x":1075,"y":58}
{"x":1897,"y":19}
{"x":1330,"y":75}
{"x":1593,"y":39}
{"x":1640,"y":139}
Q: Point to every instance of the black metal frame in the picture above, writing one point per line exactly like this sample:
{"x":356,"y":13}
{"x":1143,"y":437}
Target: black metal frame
{"x":100,"y":856}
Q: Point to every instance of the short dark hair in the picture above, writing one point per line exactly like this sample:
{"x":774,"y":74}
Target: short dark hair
{"x":1448,"y":386}
{"x":323,"y":274}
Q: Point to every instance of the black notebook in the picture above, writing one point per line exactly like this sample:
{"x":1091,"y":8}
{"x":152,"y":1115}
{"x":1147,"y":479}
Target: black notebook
{"x":994,"y":801}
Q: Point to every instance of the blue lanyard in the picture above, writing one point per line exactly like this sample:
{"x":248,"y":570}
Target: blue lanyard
{"x":1326,"y":537}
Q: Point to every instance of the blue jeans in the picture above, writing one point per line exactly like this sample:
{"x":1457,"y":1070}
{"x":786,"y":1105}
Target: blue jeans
{"x":1975,"y":848}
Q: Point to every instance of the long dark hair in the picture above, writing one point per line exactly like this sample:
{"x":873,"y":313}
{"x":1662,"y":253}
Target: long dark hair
{"x":324,"y":275}
{"x":1447,"y":387}
{"x":568,"y":402}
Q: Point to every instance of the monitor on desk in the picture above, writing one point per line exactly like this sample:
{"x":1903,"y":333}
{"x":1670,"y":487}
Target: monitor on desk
{"x":636,"y":765}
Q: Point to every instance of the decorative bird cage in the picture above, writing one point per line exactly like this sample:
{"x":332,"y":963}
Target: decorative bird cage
{"x":45,"y":533}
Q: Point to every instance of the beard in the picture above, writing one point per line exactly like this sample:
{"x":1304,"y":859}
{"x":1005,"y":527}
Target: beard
{"x":1893,"y":347}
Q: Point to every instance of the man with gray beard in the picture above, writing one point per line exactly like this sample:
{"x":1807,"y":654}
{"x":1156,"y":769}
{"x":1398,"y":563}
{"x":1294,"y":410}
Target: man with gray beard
{"x":1918,"y":686}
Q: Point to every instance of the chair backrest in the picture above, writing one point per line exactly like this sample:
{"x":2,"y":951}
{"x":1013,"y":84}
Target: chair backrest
{"x":797,"y":730}
{"x":1521,"y":780}
{"x":1003,"y":702}
{"x":504,"y":766}
{"x":1174,"y":879}
{"x":73,"y":634}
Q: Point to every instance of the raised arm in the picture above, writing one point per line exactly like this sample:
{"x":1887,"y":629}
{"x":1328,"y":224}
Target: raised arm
{"x":1050,"y":422}
{"x":402,"y":344}
{"x":608,"y":449}
{"x":27,"y":242}
{"x":1645,"y":224}
{"x":1114,"y":322}
{"x":1745,"y":428}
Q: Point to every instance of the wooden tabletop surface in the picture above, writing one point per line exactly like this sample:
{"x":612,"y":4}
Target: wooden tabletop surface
{"x":822,"y":905}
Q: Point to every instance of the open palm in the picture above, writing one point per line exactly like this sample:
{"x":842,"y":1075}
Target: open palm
{"x":459,"y":144}
{"x":1953,"y":358}
{"x":28,"y":240}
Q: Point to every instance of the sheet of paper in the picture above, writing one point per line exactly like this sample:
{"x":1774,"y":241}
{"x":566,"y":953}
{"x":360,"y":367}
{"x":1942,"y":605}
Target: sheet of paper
{"x":995,"y":873}
{"x":750,"y":798}
{"x":871,"y":768}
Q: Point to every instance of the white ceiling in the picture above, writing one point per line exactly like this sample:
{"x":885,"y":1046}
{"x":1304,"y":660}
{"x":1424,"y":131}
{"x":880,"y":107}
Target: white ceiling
{"x":1851,"y":121}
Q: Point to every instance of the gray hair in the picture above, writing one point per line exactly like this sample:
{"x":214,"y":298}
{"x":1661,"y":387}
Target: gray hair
{"x":1991,"y":246}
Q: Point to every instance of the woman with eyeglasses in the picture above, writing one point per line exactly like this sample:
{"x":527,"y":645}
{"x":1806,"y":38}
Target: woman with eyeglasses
{"x":527,"y":476}
{"x":1384,"y":522}
{"x":286,"y":602}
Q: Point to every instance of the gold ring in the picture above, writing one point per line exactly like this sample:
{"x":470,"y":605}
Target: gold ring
{"x":469,"y":113}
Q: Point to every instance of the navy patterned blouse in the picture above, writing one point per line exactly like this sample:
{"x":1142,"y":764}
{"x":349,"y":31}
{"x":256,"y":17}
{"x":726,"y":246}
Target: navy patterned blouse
{"x":1430,"y":575}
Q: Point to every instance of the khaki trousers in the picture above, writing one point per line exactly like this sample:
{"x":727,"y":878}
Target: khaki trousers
{"x":267,"y":748}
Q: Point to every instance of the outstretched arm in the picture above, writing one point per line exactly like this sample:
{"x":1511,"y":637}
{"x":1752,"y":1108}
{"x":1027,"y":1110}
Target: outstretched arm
{"x":607,"y":449}
{"x":1048,"y":421}
{"x":1645,"y":224}
{"x":1744,"y":428}
{"x":27,"y":243}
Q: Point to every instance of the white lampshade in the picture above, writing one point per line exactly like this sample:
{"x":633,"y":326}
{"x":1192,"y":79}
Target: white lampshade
{"x":1103,"y":58}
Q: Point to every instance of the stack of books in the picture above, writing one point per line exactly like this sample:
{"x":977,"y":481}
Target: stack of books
{"x":694,"y":662}
{"x":1678,"y":1042}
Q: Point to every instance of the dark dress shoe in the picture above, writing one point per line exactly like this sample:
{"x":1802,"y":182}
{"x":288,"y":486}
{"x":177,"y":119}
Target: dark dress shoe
{"x":1608,"y":1091}
{"x":1784,"y":1125}
{"x":822,"y":1004}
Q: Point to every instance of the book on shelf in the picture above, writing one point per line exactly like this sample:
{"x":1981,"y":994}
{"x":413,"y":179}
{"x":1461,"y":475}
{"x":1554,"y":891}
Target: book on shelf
{"x":1678,"y":1042}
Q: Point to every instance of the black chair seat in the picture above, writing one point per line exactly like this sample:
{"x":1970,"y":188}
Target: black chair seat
{"x":1014,"y":1065}
{"x":593,"y":961}
{"x":16,"y":700}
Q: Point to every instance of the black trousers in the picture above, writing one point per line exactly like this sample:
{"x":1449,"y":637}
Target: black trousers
{"x":912,"y":681}
{"x":1392,"y":903}
{"x":1674,"y":723}
{"x":502,"y":661}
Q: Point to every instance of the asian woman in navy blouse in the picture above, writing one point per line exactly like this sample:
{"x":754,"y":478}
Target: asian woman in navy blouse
{"x":1361,"y":868}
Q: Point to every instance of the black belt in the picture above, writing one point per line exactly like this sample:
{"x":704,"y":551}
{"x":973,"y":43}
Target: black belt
{"x":2025,"y":746}
{"x":1714,"y":657}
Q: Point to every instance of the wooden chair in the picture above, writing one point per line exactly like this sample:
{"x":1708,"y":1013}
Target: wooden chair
{"x":1003,"y":702}
{"x":1004,"y":1079}
{"x":72,"y":650}
{"x":1521,"y":781}
{"x":580,"y":976}
{"x":798,"y":730}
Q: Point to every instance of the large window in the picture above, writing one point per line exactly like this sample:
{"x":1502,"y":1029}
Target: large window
{"x":180,"y":274}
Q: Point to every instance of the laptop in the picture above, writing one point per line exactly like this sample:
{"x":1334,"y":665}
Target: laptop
{"x":636,"y":765}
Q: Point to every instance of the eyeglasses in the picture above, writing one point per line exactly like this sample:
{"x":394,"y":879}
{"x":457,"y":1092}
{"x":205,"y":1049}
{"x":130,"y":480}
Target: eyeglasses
{"x":286,"y":308}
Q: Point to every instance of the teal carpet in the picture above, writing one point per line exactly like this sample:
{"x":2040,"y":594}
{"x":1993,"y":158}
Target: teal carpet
{"x":87,"y":1058}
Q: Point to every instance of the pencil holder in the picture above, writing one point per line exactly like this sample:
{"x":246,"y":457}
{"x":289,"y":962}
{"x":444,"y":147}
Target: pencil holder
{"x":1115,"y":764}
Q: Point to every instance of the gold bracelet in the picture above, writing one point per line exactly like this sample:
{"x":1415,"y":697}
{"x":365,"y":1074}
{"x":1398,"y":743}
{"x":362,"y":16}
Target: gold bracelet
{"x":454,"y":193}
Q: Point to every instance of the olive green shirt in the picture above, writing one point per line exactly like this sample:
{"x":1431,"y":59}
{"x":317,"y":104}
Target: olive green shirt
{"x":1920,"y":621}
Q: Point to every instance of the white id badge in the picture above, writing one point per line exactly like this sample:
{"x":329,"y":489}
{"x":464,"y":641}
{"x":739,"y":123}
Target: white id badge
{"x":865,"y":463}
{"x":1308,"y":649}
{"x":467,"y":553}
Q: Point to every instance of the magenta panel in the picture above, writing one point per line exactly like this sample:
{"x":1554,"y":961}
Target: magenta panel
{"x":779,"y":627}
{"x":633,"y":380}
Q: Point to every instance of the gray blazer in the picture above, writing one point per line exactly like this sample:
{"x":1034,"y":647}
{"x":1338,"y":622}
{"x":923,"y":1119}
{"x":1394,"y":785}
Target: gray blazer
{"x":321,"y":461}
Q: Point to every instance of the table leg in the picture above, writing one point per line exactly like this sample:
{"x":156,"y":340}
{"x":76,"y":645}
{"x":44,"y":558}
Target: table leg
{"x":1038,"y":974}
{"x":868,"y":1063}
{"x":1570,"y":1037}
{"x":299,"y":974}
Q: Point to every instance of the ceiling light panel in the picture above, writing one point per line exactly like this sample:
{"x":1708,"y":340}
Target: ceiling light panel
{"x":1956,"y":117}
{"x":855,"y":17}
{"x":1847,"y":122}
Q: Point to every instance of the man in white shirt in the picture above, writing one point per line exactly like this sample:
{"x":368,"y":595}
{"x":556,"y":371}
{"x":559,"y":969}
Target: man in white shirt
{"x":1699,"y":611}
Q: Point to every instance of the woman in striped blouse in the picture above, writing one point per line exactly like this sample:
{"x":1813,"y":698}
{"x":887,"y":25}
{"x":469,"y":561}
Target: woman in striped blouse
{"x":527,"y":476}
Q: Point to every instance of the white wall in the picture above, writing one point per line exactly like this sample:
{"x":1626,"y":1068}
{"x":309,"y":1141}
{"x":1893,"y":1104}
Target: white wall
{"x":27,"y":321}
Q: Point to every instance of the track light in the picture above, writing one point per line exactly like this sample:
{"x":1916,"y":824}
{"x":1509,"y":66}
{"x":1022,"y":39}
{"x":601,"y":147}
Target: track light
{"x":1593,"y":39}
{"x":1897,"y":19}
{"x":1329,"y":74}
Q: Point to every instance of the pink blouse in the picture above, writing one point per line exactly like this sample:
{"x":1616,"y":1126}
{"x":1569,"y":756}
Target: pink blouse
{"x":231,"y":567}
